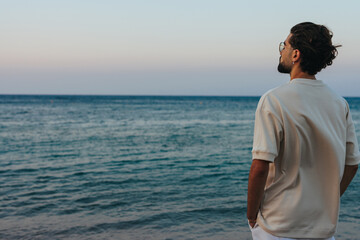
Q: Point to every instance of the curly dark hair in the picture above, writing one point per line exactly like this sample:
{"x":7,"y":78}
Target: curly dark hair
{"x":315,"y":45}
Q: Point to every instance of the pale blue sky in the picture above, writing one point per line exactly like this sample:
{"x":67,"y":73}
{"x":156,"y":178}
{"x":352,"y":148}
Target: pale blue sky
{"x":164,"y":47}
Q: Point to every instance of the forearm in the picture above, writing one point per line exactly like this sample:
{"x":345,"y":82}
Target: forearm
{"x":349,"y":174}
{"x":257,"y":179}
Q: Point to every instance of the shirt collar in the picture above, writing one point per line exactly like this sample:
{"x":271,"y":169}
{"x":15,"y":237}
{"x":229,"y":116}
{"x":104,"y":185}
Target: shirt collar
{"x":307,"y":81}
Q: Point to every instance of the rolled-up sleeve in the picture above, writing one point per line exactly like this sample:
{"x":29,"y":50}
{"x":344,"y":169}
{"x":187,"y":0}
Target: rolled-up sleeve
{"x":352,"y":148}
{"x":268,"y":131}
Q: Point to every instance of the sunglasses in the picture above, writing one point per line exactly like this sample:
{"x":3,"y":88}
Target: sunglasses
{"x":281,"y":46}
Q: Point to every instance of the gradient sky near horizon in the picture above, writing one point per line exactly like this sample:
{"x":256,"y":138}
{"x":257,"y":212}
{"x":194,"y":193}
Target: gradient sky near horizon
{"x":164,"y":47}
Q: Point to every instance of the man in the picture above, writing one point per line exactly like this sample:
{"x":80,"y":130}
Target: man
{"x":305,"y":151}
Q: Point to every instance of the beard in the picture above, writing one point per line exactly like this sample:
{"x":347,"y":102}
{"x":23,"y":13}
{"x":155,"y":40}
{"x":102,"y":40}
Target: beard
{"x":282,"y":68}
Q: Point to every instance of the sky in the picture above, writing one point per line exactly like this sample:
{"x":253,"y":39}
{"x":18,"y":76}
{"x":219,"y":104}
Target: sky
{"x":165,"y":47}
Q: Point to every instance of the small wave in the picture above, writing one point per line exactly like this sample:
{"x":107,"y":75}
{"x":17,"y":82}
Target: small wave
{"x":37,"y":209}
{"x":25,"y":170}
{"x":35,"y":193}
{"x":69,"y":211}
{"x":22,"y":112}
{"x":87,"y":199}
{"x":79,"y":173}
{"x":54,"y":156}
{"x":113,"y":182}
{"x":211,"y":166}
{"x":113,"y":204}
{"x":203,"y":177}
{"x":45,"y":179}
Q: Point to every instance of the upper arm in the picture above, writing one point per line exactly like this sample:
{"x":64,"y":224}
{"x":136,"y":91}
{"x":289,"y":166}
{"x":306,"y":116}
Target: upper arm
{"x":352,"y":148}
{"x":268,"y":131}
{"x":351,"y":168}
{"x":260,"y":167}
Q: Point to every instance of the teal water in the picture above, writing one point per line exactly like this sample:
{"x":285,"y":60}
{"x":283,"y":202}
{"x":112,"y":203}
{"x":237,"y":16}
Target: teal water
{"x":132,"y":167}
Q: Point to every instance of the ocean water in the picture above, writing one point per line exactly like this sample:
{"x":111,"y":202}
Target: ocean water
{"x":133,"y":167}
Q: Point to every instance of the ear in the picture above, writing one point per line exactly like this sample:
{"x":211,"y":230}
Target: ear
{"x":296,"y":54}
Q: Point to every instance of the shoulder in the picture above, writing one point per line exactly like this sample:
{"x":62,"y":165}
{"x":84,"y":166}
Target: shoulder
{"x":338,"y":99}
{"x":273,"y":97}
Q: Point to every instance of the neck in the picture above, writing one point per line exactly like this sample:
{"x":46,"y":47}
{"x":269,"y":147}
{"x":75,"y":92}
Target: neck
{"x":303,"y":75}
{"x":296,"y":72}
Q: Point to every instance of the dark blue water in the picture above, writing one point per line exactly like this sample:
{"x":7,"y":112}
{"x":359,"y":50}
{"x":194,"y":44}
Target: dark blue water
{"x":122,"y":167}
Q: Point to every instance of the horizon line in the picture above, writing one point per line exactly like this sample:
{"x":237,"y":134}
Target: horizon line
{"x":134,"y":95}
{"x":122,"y":95}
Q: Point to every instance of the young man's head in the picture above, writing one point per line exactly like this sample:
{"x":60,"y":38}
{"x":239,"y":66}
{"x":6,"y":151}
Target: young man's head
{"x":310,"y":45}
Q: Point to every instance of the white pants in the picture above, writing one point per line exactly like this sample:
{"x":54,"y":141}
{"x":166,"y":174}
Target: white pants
{"x":259,"y":234}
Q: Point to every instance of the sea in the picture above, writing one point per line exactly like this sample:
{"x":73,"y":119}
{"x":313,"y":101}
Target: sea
{"x":133,"y":167}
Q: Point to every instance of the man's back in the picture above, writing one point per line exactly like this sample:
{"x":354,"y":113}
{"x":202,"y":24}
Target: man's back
{"x":303,"y":127}
{"x":305,"y":151}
